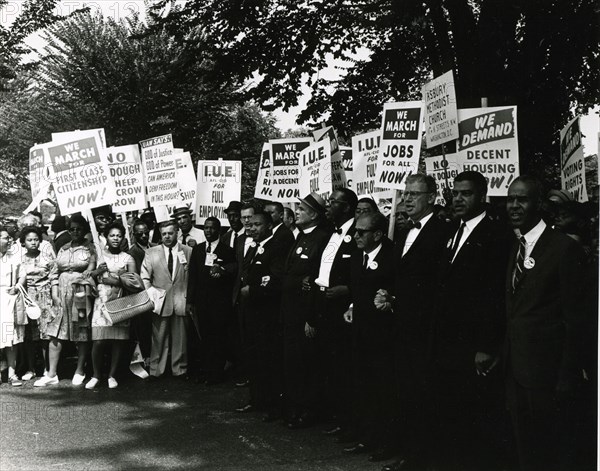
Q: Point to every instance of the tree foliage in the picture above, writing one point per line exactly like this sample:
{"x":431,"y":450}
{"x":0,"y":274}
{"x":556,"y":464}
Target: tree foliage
{"x":97,"y":72}
{"x":541,"y":55}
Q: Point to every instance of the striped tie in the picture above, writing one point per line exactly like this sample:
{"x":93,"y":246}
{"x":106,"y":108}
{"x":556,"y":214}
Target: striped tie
{"x":519,"y":265}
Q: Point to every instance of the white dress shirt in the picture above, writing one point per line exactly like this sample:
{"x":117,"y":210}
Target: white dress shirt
{"x":175,"y":258}
{"x":470,"y":226}
{"x":414,"y":233}
{"x":333,"y":246}
{"x":532,"y":237}
{"x":371,"y":255}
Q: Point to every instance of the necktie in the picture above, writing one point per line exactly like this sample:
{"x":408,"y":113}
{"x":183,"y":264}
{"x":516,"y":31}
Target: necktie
{"x":208,"y":249}
{"x":170,"y":261}
{"x":233,"y":239}
{"x":457,"y":238}
{"x":365,"y":262}
{"x":519,"y":264}
{"x":338,"y":230}
{"x":247,"y":260}
{"x":412,"y":224}
{"x":184,"y":238}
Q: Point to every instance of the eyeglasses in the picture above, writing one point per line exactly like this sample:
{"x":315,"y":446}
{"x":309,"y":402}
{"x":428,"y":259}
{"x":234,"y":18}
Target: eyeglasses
{"x":362,"y":232}
{"x":414,"y":194}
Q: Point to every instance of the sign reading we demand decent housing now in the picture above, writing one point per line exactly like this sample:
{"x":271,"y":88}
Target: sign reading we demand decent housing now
{"x":80,"y":173}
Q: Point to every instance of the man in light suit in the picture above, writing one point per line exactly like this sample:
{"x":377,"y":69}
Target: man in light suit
{"x":166,"y":267}
{"x":546,"y":321}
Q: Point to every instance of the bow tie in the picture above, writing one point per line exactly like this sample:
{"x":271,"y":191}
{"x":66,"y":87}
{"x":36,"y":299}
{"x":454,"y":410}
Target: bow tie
{"x":412,"y":224}
{"x":338,"y":231}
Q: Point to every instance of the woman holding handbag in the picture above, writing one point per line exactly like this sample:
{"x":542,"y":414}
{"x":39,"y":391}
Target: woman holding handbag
{"x":40,"y":271}
{"x":9,"y":263}
{"x":75,"y":262}
{"x":113,"y":262}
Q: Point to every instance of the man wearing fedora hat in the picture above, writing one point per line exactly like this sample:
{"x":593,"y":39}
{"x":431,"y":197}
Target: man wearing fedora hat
{"x":300,"y":349}
{"x":188,"y":234}
{"x":236,"y":227}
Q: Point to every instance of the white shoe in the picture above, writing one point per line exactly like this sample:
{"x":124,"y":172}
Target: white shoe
{"x":77,"y":379}
{"x":112,"y":383}
{"x":45,"y":381}
{"x":28,"y":376}
{"x":91,"y":384}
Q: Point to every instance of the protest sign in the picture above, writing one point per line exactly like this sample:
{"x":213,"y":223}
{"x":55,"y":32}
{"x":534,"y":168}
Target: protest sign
{"x":186,"y":181}
{"x":159,"y":170}
{"x":347,"y":163}
{"x":488,"y":144}
{"x":315,"y":162}
{"x":219,"y":182}
{"x":80,"y":174}
{"x":400,"y":145}
{"x":285,"y":171}
{"x":365,"y":151}
{"x":441,"y":117}
{"x":125,"y":166}
{"x":68,"y":135}
{"x":572,"y":162}
{"x":338,"y":175}
{"x":263,"y":189}
{"x":39,"y":173}
{"x":444,"y":171}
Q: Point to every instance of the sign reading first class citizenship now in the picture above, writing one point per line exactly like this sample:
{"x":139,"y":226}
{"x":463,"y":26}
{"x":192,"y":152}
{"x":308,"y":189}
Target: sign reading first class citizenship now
{"x":400,"y":145}
{"x":441,"y":116}
{"x":80,"y":174}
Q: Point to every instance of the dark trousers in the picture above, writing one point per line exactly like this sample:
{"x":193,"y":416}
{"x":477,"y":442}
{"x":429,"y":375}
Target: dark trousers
{"x":141,"y":330}
{"x":212,"y":322}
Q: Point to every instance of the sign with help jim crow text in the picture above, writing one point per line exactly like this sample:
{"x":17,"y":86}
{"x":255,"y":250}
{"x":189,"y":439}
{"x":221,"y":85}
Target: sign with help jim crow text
{"x":125,"y":167}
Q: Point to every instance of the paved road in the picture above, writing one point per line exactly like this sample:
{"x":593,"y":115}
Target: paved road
{"x":167,"y":424}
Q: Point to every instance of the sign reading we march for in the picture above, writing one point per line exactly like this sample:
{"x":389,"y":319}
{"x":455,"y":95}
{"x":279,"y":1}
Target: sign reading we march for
{"x":488,"y":144}
{"x":572,"y":163}
{"x":80,"y":173}
{"x":285,"y":171}
{"x":400,"y":146}
{"x":219,"y":182}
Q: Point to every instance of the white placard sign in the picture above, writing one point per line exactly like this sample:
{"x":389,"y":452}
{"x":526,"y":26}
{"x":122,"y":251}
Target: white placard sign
{"x":263,"y":189}
{"x":400,"y":145}
{"x":488,"y":144}
{"x":125,"y":166}
{"x":159,"y":170}
{"x":572,"y":161}
{"x":285,"y":170}
{"x":315,"y":162}
{"x":347,"y":163}
{"x":441,"y":117}
{"x":338,"y":175}
{"x":219,"y":182}
{"x":365,"y":151}
{"x":186,"y":181}
{"x":444,"y":172}
{"x":68,"y":135}
{"x":80,"y":174}
{"x":39,"y":173}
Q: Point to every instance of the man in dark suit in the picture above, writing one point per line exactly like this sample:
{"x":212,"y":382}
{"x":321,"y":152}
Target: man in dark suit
{"x":468,"y":333}
{"x":212,"y":269}
{"x":261,"y":292}
{"x":282,"y":235}
{"x":236,"y":228}
{"x":331,"y":297}
{"x":141,"y":326}
{"x":546,"y":318}
{"x":301,"y":269}
{"x":417,"y":253}
{"x":372,"y":269}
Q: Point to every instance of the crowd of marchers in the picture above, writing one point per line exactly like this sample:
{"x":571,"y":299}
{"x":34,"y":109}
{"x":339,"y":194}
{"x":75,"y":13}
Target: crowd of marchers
{"x":468,"y":342}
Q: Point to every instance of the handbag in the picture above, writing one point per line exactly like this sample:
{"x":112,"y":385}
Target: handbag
{"x":32,"y":310}
{"x":124,"y":308}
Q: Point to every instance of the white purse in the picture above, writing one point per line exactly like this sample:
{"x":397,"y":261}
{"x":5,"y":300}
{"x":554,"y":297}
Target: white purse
{"x":32,"y":310}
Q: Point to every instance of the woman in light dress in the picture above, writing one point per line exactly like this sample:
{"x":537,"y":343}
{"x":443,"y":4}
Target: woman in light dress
{"x":9,"y":264}
{"x":113,"y":262}
{"x":75,"y":262}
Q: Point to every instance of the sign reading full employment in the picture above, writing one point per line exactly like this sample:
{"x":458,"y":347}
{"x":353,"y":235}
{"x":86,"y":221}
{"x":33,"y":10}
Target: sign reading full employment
{"x":80,"y":173}
{"x":400,"y":143}
{"x":572,"y":163}
{"x":159,"y":170}
{"x":444,"y":171}
{"x":263,"y":189}
{"x":347,"y":163}
{"x":441,"y":118}
{"x":125,"y":166}
{"x":285,"y":171}
{"x":315,"y":162}
{"x":219,"y":182}
{"x":365,"y":151}
{"x":488,"y":144}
